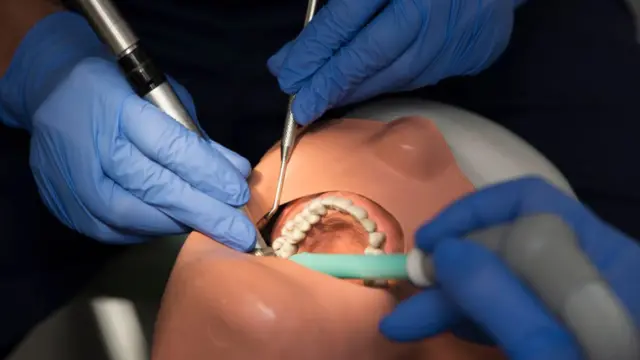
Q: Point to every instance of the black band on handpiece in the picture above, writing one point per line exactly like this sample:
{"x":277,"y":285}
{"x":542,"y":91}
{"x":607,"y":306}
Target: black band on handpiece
{"x":141,"y":72}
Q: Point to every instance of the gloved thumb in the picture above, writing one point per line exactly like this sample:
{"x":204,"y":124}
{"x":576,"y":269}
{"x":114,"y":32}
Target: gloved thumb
{"x":185,"y":98}
{"x":243,"y":165}
{"x":423,"y":315}
{"x":275,"y":62}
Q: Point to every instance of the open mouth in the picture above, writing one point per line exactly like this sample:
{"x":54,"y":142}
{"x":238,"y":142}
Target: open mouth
{"x":334,"y":222}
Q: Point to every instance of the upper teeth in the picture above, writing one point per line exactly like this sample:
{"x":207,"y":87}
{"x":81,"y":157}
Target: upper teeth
{"x":294,"y":230}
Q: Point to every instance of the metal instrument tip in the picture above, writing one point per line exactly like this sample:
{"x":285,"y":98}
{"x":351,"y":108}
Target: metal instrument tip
{"x":288,"y":138}
{"x":265,"y":252}
{"x":276,"y":200}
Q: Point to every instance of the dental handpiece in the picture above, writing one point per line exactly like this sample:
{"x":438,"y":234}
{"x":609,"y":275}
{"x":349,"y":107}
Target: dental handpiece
{"x":288,"y":140}
{"x":146,"y":79}
{"x":143,"y":75}
{"x":543,"y":251}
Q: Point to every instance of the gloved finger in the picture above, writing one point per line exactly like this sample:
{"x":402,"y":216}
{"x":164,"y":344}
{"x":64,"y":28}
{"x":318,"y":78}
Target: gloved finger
{"x":498,"y":204}
{"x":121,"y":211}
{"x":111,"y":211}
{"x":404,"y":74}
{"x":192,"y":158}
{"x":372,"y":50}
{"x":275,"y":62}
{"x":333,"y":26}
{"x":490,"y":295}
{"x":185,"y":97}
{"x":187,"y":100}
{"x":240,"y":163}
{"x":423,"y":315}
{"x":164,"y":190}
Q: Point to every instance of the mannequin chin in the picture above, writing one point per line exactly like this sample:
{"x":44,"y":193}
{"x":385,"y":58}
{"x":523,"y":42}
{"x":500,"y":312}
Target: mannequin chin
{"x":352,"y":186}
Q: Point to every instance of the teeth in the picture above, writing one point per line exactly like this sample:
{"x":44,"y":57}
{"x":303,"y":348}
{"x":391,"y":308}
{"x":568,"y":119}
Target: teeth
{"x":301,"y":223}
{"x":309,"y":216}
{"x":316,"y":208}
{"x":287,"y":250}
{"x":341,"y":203}
{"x":312,"y":218}
{"x":368,"y":225}
{"x":376,"y":239}
{"x":328,"y":201}
{"x":278,"y":242}
{"x":294,"y":231}
{"x":296,"y":236}
{"x":357,"y":212}
{"x":372,"y":251}
{"x":289,"y":225}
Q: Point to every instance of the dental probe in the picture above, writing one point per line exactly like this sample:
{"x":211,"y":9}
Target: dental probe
{"x":288,"y":136}
{"x":540,"y":249}
{"x":143,"y":75}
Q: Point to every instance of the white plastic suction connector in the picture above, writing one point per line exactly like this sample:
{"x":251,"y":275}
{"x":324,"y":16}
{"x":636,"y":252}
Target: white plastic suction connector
{"x":419,"y":268}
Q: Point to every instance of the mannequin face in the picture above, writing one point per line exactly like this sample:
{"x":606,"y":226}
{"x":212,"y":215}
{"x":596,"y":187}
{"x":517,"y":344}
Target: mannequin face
{"x":352,"y":186}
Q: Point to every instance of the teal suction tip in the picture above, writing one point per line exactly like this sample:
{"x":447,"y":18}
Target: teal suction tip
{"x":346,"y":266}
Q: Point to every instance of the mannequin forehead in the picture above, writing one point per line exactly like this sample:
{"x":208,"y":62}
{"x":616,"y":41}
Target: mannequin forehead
{"x":485,"y":152}
{"x":405,"y":166}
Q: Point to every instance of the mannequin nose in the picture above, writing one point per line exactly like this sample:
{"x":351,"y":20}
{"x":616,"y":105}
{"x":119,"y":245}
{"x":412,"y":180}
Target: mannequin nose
{"x":412,"y":146}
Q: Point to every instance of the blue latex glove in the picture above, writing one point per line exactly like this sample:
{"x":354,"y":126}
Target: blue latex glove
{"x":107,"y":163}
{"x":354,"y":50}
{"x":476,"y":290}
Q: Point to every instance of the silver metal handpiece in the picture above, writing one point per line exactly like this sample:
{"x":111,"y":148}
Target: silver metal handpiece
{"x":145,"y":78}
{"x":289,"y":134}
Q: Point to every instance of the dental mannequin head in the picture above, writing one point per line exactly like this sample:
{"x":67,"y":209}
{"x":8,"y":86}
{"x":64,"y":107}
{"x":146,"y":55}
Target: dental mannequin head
{"x":352,"y":186}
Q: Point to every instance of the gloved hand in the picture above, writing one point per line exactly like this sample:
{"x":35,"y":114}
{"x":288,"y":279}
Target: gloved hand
{"x":107,"y":163}
{"x":477,"y":291}
{"x":354,"y":50}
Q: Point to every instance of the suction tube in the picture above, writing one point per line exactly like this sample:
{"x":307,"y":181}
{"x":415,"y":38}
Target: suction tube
{"x":348,"y":266}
